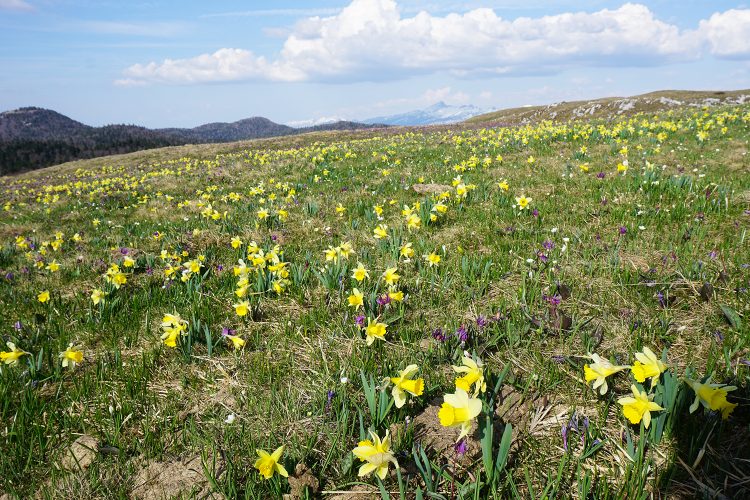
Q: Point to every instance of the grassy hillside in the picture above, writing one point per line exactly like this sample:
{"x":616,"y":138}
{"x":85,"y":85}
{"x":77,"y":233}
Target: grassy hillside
{"x":611,"y":108}
{"x":168,"y":313}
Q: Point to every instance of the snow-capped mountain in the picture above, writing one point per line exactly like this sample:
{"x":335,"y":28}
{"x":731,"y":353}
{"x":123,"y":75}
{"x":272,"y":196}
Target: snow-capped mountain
{"x":438,"y":113}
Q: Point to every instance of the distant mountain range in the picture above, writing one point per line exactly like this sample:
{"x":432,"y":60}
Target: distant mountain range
{"x":32,"y":138}
{"x":439,"y":113}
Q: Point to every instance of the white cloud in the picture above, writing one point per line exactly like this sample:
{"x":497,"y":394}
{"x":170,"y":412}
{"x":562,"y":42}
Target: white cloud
{"x":15,"y":5}
{"x":224,"y":65}
{"x":446,"y":95}
{"x":728,"y":33}
{"x":369,"y":40}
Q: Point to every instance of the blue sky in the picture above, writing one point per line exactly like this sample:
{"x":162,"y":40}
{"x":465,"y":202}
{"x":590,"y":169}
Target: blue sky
{"x":185,"y":63}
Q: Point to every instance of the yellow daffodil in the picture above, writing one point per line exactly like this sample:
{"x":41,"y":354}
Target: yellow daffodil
{"x":128,"y":262}
{"x":241,"y":308}
{"x":473,"y":375}
{"x":43,"y":296}
{"x":11,"y":356}
{"x":406,"y":251}
{"x":396,"y":296}
{"x":268,"y":465}
{"x":360,"y":272}
{"x":97,"y":296}
{"x":237,"y":341}
{"x":377,"y":454}
{"x":356,"y":299}
{"x":638,"y":407}
{"x":503,"y":185}
{"x":71,"y":356}
{"x":711,"y":396}
{"x":173,"y":326}
{"x":236,"y":242}
{"x":599,"y":370}
{"x":380,"y":232}
{"x":340,"y":210}
{"x":459,"y":410}
{"x":406,"y":383}
{"x":432,"y":259}
{"x":522,"y":202}
{"x":390,"y":276}
{"x":53,"y":266}
{"x":375,"y":330}
{"x":647,"y":365}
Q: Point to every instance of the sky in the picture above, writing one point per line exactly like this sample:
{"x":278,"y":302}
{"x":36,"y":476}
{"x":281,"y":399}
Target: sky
{"x":184,"y":63}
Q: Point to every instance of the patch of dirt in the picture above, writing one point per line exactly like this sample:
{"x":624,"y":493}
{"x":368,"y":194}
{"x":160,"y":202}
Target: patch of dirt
{"x":81,"y":453}
{"x":302,"y":479}
{"x":159,"y":480}
{"x":530,"y":415}
{"x":430,"y":188}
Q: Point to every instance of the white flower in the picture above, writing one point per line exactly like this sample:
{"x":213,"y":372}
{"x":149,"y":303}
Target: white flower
{"x":230,"y":418}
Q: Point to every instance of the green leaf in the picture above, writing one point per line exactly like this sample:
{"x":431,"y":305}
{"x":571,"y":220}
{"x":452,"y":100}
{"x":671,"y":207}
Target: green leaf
{"x":732,"y":317}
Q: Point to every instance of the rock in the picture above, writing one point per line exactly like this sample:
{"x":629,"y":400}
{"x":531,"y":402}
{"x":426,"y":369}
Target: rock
{"x":81,"y":453}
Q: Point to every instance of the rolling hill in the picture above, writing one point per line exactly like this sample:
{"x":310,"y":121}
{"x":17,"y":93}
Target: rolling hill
{"x":609,"y":108}
{"x":32,"y":138}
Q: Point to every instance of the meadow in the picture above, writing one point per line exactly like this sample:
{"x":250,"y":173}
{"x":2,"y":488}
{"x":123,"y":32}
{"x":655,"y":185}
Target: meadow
{"x":556,"y":310}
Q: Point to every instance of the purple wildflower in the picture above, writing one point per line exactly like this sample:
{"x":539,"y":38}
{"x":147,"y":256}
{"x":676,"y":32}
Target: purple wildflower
{"x":481,"y":321}
{"x":600,"y":175}
{"x":535,"y":212}
{"x":559,"y":359}
{"x":460,"y":448}
{"x":660,"y":297}
{"x":438,"y":335}
{"x":462,"y":333}
{"x":548,"y":245}
{"x":219,"y":268}
{"x":18,"y":326}
{"x":542,"y":256}
{"x":565,"y":430}
{"x":360,"y":320}
{"x":623,"y":230}
{"x":9,"y":276}
{"x":227,"y":331}
{"x":712,"y":254}
{"x":384,"y":299}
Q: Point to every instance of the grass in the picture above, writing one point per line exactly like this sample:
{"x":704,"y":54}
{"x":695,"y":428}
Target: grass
{"x":601,"y":261}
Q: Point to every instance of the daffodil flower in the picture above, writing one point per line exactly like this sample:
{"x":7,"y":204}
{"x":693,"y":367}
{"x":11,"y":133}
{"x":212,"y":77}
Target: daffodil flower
{"x":380,"y":232}
{"x":356,"y":299}
{"x":390,"y":276}
{"x":405,"y":383}
{"x":97,"y":296}
{"x":522,"y":202}
{"x":639,"y":407}
{"x":459,"y":410}
{"x":173,"y":326}
{"x":647,"y":366}
{"x":599,"y":370}
{"x":241,"y":308}
{"x":71,"y":356}
{"x":377,"y":454}
{"x":43,"y":297}
{"x":473,"y":375}
{"x":711,"y":396}
{"x":432,"y":259}
{"x":360,"y":272}
{"x":374,"y":330}
{"x":268,"y":465}
{"x":12,"y":356}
